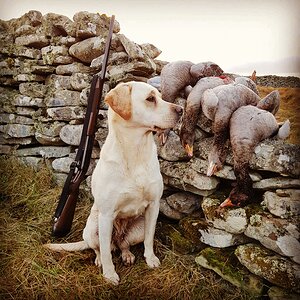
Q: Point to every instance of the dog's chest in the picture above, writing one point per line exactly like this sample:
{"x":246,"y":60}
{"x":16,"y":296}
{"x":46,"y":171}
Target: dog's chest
{"x":137,"y":191}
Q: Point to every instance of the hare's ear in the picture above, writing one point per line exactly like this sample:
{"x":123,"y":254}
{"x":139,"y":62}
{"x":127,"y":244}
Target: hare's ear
{"x":119,"y":100}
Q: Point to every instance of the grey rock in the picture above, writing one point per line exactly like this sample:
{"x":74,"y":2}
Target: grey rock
{"x":114,"y":59}
{"x":71,"y":134}
{"x":33,"y":89}
{"x":59,"y":82}
{"x":22,"y":51}
{"x":79,"y":81}
{"x":21,"y":100}
{"x":200,"y":165}
{"x":274,"y":268}
{"x":63,"y":98}
{"x":188,"y":177}
{"x":14,"y":118}
{"x":29,"y":77}
{"x":92,"y":24}
{"x":277,"y":183}
{"x":48,"y":140}
{"x":179,"y":184}
{"x":42,"y":70}
{"x":66,"y":40}
{"x":273,"y":155}
{"x":137,"y":68}
{"x":185,"y":203}
{"x":220,"y":238}
{"x":150,"y":50}
{"x":172,"y":149}
{"x":4,"y":139}
{"x":66,"y":113}
{"x":17,"y":130}
{"x":133,"y":50}
{"x":283,"y":203}
{"x":231,"y":220}
{"x":25,"y":30}
{"x":32,"y":18}
{"x":169,"y":211}
{"x":33,"y":40}
{"x":55,"y":54}
{"x":57,"y":25}
{"x":62,"y":165}
{"x":44,"y":151}
{"x":279,"y":235}
{"x":225,"y":264}
{"x":74,"y":67}
{"x":25,"y":111}
{"x":50,"y":129}
{"x":197,"y":229}
{"x":88,"y":49}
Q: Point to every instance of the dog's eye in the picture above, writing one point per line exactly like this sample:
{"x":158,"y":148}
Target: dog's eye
{"x":151,"y":99}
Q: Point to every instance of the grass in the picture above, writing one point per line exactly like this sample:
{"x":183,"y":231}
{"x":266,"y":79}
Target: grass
{"x":289,"y":109}
{"x":28,"y":271}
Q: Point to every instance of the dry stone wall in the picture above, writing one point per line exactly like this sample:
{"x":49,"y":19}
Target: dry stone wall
{"x":47,"y":63}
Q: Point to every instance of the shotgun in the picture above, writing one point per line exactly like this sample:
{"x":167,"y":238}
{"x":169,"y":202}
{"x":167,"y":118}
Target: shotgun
{"x":65,"y":210}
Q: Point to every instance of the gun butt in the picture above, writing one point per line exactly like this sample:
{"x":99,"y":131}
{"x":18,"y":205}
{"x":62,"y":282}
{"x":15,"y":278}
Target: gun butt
{"x":63,"y":223}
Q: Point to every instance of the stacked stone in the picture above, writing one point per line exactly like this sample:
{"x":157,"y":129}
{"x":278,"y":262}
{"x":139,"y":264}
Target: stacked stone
{"x":262,"y":239}
{"x":47,"y":64}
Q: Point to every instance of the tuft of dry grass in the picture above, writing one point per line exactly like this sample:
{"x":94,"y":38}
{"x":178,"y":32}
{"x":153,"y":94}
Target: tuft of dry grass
{"x":28,"y":271}
{"x":289,"y":109}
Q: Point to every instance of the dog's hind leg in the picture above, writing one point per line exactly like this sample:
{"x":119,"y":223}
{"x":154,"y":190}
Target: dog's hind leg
{"x":135,"y":234}
{"x":90,"y":234}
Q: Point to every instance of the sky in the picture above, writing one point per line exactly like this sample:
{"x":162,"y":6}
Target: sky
{"x":238,"y":35}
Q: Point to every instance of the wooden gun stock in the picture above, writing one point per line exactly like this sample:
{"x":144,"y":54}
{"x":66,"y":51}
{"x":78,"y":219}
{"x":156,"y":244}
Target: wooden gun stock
{"x":63,"y":223}
{"x":65,"y":210}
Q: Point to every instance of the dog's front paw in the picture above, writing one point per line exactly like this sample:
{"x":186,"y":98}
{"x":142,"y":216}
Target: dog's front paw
{"x":152,"y":261}
{"x":112,"y":278}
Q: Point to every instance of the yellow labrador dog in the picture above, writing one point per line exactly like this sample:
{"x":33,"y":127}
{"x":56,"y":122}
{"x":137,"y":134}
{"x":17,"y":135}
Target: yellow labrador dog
{"x":127,"y":184}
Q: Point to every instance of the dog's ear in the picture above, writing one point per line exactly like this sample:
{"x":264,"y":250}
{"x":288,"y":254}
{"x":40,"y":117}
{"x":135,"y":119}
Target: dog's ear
{"x":119,"y":99}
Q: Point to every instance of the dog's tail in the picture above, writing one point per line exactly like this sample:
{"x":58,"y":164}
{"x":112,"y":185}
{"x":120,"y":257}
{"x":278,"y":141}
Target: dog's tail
{"x":77,"y":246}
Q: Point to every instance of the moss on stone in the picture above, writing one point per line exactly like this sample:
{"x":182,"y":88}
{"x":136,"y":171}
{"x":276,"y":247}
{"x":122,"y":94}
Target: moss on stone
{"x":270,"y":266}
{"x":170,"y":236}
{"x":226,"y":264}
{"x":190,"y":228}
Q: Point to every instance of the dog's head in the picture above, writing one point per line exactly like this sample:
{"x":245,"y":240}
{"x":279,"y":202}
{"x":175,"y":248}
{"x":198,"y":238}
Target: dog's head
{"x":141,"y":105}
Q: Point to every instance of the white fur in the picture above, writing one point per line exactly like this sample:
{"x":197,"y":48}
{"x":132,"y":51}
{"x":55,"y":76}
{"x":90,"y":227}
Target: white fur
{"x":127,"y":182}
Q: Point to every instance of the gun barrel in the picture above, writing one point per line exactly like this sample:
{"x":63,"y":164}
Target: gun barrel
{"x":65,"y":210}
